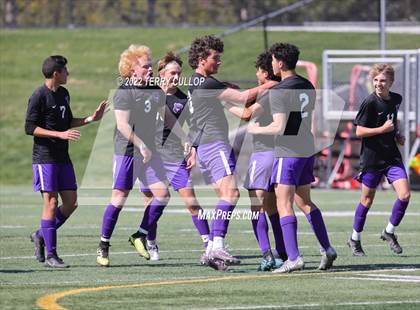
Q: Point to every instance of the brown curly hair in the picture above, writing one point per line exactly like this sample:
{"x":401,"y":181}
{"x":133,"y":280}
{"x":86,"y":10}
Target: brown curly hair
{"x":168,"y":58}
{"x":200,"y":48}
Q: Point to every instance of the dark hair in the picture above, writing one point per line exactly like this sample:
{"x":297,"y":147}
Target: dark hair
{"x":201,"y":47}
{"x":169,"y":57}
{"x":288,"y":53}
{"x":53,"y":64}
{"x":264,"y":62}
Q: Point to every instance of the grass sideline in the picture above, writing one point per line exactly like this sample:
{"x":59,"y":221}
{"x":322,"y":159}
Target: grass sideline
{"x":93,"y":56}
{"x":381,"y":280}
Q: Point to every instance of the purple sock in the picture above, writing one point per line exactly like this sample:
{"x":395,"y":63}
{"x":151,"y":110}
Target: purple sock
{"x":318,"y":227}
{"x":398,"y":211}
{"x":201,"y":224}
{"x":152,"y":214}
{"x":151,"y":234}
{"x":254,"y":223}
{"x":278,"y":234}
{"x":221,"y":222}
{"x":59,"y":218}
{"x":109,"y":220}
{"x":49,"y":232}
{"x":289,"y":229}
{"x":262,"y":232}
{"x":360,"y":217}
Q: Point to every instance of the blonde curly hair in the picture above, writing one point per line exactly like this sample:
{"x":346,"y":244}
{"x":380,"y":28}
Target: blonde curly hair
{"x":129,"y":57}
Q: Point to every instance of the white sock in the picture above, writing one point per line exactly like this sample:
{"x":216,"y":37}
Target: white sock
{"x":105,"y":239}
{"x":151,"y":242}
{"x":205,"y":238}
{"x":143,"y":231}
{"x":390,"y":229}
{"x":355,"y":235}
{"x":209,"y":247}
{"x":218,"y":243}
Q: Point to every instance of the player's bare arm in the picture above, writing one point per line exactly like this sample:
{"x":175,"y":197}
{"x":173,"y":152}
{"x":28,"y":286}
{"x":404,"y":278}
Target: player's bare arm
{"x":277,"y":127}
{"x":96,"y":116}
{"x":246,"y":96}
{"x":364,"y":132}
{"x":122,"y":118}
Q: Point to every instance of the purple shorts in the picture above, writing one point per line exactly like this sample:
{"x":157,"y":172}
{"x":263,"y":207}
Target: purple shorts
{"x":127,"y":169}
{"x":177,"y":174}
{"x":293,"y":171}
{"x":216,"y":161}
{"x":372,"y":179}
{"x":54,"y":177}
{"x":259,"y":171}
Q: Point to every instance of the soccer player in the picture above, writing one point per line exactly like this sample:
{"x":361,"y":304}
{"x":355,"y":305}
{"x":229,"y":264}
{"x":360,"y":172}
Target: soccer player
{"x":258,"y":179}
{"x":210,"y":130}
{"x":136,"y":104}
{"x":172,"y":148}
{"x":376,"y":124}
{"x":292,"y":102}
{"x":50,"y":120}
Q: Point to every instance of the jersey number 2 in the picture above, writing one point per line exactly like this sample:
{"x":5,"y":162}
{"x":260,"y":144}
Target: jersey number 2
{"x":63,"y":110}
{"x":304,"y":100}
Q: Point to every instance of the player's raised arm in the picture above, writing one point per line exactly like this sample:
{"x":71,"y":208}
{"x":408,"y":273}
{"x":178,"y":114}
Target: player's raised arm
{"x":96,"y":116}
{"x":244,"y":113}
{"x":245,"y":96}
{"x":277,"y":127}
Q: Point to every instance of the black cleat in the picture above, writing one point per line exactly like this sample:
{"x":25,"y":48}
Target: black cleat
{"x":39,"y":246}
{"x":217,"y":264}
{"x":103,"y":254}
{"x":356,"y":247}
{"x":392,"y":240}
{"x":55,"y":262}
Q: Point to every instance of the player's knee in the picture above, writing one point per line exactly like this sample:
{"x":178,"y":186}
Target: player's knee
{"x":193,"y":209}
{"x":367,"y":201}
{"x":405,"y":196}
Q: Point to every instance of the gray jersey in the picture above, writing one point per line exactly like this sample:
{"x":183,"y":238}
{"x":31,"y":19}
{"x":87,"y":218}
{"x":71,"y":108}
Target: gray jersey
{"x":208,"y":120}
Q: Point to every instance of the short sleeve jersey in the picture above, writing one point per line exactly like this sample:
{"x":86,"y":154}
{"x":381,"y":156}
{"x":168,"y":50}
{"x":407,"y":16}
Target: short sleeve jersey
{"x":295,"y":97}
{"x":168,"y":143}
{"x":50,"y":110}
{"x":379,"y":151}
{"x":208,"y":119}
{"x":143,"y":104}
{"x":262,"y":143}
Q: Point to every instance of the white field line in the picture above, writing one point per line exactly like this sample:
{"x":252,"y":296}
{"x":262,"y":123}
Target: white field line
{"x":378,"y":279}
{"x":367,"y":273}
{"x":183,"y":251}
{"x":316,"y":305}
{"x":379,"y":275}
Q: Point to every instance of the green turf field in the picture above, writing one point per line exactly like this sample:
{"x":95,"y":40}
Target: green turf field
{"x":381,"y":280}
{"x":93,"y":56}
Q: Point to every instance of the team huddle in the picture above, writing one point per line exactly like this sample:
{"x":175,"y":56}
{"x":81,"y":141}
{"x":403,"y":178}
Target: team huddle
{"x":151,"y":146}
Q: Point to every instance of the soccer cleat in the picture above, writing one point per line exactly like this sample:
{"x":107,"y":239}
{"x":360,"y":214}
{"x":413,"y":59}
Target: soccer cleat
{"x":327,"y":258}
{"x":217,"y":264}
{"x":204,"y":259}
{"x":267,"y":262}
{"x":225,"y":256}
{"x":356,"y":247}
{"x":138,"y":241}
{"x":289,"y":266}
{"x":153,"y":252}
{"x":392,"y":240}
{"x":103,"y":254}
{"x":55,"y":262}
{"x":39,"y":246}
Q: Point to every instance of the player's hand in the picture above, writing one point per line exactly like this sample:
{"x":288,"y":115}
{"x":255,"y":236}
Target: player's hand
{"x":388,"y":126}
{"x":253,"y":127}
{"x":400,"y":139}
{"x":72,"y":135}
{"x":187,"y":148}
{"x":191,"y":161}
{"x":145,"y":152}
{"x":100,"y":111}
